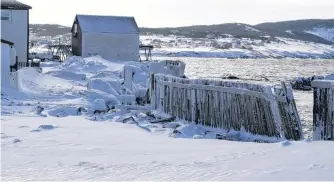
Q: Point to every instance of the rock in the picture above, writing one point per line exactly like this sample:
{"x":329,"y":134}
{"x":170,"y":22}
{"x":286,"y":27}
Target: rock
{"x":39,"y":110}
{"x":46,"y":127}
{"x":81,"y":110}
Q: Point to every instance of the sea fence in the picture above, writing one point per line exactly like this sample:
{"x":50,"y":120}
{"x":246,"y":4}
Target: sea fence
{"x":257,"y":109}
{"x":323,"y":109}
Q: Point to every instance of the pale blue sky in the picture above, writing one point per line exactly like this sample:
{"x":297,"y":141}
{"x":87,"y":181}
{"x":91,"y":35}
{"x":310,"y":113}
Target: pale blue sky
{"x":171,"y":13}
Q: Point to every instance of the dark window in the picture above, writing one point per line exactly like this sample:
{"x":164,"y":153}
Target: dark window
{"x":75,"y":30}
{"x":6,"y":15}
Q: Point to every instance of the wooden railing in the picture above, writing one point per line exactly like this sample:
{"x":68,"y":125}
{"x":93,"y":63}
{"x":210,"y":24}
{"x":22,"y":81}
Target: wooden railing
{"x":18,"y":65}
{"x":228,"y":105}
{"x":323,"y":109}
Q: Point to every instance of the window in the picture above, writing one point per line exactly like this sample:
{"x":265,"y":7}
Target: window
{"x":6,"y":15}
{"x":75,"y":30}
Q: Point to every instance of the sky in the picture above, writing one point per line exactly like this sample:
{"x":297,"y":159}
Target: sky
{"x":173,"y":13}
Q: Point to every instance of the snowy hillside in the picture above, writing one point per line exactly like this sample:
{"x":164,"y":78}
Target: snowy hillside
{"x":50,"y":132}
{"x":325,"y":33}
{"x":288,"y":39}
{"x":267,"y":47}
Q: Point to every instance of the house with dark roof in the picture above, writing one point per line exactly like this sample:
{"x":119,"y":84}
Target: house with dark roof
{"x":15,"y":27}
{"x":111,"y":37}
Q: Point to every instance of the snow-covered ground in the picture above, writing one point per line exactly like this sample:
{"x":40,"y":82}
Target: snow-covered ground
{"x":50,"y":131}
{"x":80,"y":149}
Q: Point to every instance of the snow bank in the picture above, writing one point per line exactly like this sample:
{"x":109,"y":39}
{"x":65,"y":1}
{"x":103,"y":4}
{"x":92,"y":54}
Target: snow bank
{"x":104,"y":86}
{"x":100,"y":105}
{"x":90,"y":64}
{"x":32,"y":82}
{"x":117,"y":151}
{"x":67,"y":75}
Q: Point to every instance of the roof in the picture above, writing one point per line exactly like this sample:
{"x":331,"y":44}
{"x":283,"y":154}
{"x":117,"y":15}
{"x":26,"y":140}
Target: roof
{"x":7,"y":42}
{"x":13,"y":4}
{"x":107,"y":24}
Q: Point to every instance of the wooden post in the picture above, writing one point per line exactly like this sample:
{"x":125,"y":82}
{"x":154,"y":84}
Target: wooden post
{"x":323,"y":109}
{"x":291,"y":123}
{"x":152,"y":90}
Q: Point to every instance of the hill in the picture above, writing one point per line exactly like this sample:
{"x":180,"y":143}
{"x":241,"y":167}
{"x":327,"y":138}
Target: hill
{"x":312,"y":30}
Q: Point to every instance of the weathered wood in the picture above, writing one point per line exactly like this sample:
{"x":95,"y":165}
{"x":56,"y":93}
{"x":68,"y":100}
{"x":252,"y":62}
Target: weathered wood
{"x":164,"y":120}
{"x":323,"y":109}
{"x":236,"y":106}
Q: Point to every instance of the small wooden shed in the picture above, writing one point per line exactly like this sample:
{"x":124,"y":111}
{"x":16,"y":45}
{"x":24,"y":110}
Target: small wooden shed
{"x":111,"y":37}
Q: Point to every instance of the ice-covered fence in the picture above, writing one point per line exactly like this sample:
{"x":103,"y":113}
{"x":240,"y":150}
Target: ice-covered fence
{"x":323,"y":109}
{"x":128,"y":77}
{"x":257,"y":109}
{"x":288,"y":112}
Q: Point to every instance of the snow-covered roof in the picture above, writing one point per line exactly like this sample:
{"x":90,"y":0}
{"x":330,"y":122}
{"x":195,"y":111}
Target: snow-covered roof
{"x":107,"y":24}
{"x":13,"y":4}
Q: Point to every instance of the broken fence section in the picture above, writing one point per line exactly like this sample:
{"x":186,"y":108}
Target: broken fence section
{"x":262,"y":110}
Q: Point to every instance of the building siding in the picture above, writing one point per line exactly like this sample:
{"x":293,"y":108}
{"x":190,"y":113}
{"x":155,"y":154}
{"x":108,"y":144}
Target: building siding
{"x":5,"y":64}
{"x":124,"y":47}
{"x":17,"y":32}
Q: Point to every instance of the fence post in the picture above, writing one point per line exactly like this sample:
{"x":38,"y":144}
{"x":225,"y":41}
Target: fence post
{"x":275,"y":112}
{"x":152,"y":90}
{"x":323,"y":109}
{"x":128,"y":77}
{"x":289,"y":115}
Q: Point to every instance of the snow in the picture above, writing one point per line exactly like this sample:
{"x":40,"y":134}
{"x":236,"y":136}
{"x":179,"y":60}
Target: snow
{"x":277,"y":48}
{"x":50,"y":130}
{"x":79,"y":149}
{"x":107,"y":24}
{"x":251,"y":29}
{"x":329,"y":77}
{"x":325,"y":33}
{"x":289,"y":32}
{"x":101,"y":85}
{"x":90,"y":65}
{"x":99,"y":104}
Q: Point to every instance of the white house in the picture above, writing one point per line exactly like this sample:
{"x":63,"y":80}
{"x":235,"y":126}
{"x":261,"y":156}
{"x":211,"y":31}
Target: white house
{"x":15,"y":27}
{"x":5,"y":61}
{"x":111,"y":37}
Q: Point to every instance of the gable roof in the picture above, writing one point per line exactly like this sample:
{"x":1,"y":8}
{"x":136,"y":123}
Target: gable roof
{"x":13,"y":4}
{"x":107,"y":24}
